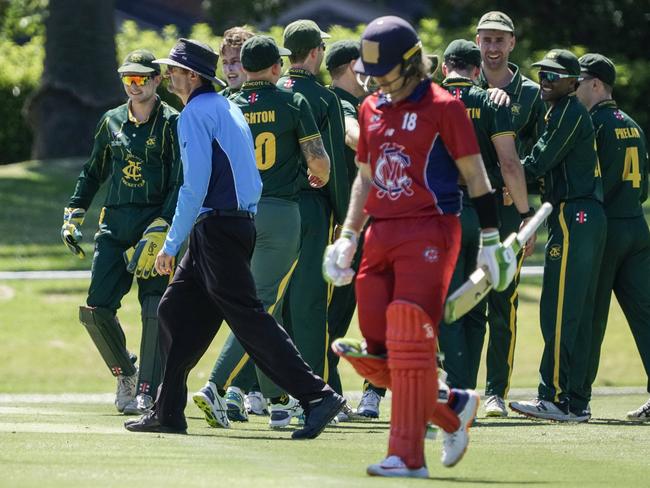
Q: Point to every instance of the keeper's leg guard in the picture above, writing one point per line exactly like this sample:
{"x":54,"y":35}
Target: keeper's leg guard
{"x":107,"y":334}
{"x":411,"y":344}
{"x":151,"y":364}
{"x":372,"y":367}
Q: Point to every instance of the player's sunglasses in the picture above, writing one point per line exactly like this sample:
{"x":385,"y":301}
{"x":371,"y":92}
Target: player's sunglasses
{"x":552,"y":76}
{"x":139,"y":80}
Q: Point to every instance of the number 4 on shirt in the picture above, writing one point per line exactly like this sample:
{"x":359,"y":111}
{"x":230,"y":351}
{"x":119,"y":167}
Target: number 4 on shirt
{"x":631,"y":167}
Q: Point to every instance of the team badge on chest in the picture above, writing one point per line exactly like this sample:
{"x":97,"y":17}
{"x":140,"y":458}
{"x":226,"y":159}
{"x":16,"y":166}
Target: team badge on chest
{"x":390,"y":173}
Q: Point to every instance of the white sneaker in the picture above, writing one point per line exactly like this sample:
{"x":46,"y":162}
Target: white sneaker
{"x":495,"y":406}
{"x":213,"y":406}
{"x":282,"y":414}
{"x":641,"y":414}
{"x":540,"y":409}
{"x":256,"y":404}
{"x":235,"y":404}
{"x":125,"y":393}
{"x":369,"y":404}
{"x":455,"y":444}
{"x":141,"y":404}
{"x":394,"y":467}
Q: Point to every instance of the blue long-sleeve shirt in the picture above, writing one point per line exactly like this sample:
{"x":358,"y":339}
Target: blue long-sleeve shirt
{"x":219,"y":168}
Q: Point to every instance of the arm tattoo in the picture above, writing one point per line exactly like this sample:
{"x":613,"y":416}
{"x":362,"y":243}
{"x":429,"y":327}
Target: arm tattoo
{"x":313,"y":149}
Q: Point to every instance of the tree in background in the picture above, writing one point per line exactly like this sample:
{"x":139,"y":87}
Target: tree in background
{"x":79,"y":80}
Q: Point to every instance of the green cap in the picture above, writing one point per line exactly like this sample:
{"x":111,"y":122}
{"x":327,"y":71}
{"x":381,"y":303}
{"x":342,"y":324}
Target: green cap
{"x":260,"y":52}
{"x":342,"y":52}
{"x":303,"y":34}
{"x":464,"y":51}
{"x":496,"y":20}
{"x":139,"y":61}
{"x":560,"y":59}
{"x":599,"y":67}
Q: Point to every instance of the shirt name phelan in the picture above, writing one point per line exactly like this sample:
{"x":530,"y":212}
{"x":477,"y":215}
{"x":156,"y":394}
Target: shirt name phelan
{"x":627,"y":133}
{"x":262,"y":117}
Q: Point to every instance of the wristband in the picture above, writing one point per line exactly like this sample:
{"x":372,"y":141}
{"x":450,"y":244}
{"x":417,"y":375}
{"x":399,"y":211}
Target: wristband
{"x":526,"y":215}
{"x":486,"y":209}
{"x":349,"y":234}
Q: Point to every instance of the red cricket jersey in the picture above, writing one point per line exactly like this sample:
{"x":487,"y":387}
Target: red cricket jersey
{"x":411,"y":147}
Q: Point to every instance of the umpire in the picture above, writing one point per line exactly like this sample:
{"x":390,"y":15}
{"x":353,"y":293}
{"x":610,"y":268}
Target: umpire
{"x":623,"y":156}
{"x":565,"y":156}
{"x":216,"y":205}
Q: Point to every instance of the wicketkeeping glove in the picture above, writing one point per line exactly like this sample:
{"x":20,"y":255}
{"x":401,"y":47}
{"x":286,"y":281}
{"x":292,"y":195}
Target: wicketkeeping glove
{"x":338,"y":257}
{"x":141,"y":258}
{"x":70,"y":233}
{"x":501,"y":262}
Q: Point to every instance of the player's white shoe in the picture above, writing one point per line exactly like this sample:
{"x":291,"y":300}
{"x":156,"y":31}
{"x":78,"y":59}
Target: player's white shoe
{"x":495,"y":406}
{"x":454,"y":444}
{"x":213,"y":406}
{"x":281,"y":414}
{"x":369,"y":404}
{"x":641,"y":414}
{"x":394,"y":467}
{"x":540,"y":409}
{"x":256,"y":403}
{"x":125,"y":393}
{"x":235,"y":404}
{"x":141,"y":404}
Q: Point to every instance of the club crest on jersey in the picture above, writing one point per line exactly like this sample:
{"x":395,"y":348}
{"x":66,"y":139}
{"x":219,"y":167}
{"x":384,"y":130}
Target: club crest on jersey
{"x":252,"y":98}
{"x":555,"y":252}
{"x":289,"y":83}
{"x":132,"y":173}
{"x":581,"y":217}
{"x":151,"y":141}
{"x":390,"y":173}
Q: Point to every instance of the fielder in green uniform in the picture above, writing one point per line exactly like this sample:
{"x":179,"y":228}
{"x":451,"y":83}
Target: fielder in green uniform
{"x":496,"y":39}
{"x":305,"y":307}
{"x":231,"y":65}
{"x":462,"y":341}
{"x":623,"y":155}
{"x":284,"y":132}
{"x":137,"y":151}
{"x":566,"y":157}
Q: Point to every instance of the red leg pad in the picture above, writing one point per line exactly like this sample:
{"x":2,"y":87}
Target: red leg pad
{"x":411,"y":344}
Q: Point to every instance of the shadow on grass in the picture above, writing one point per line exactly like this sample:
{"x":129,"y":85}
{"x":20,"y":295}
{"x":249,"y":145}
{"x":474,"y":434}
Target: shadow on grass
{"x":480,"y":481}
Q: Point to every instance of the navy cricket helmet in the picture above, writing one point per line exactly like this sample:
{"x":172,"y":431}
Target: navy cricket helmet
{"x":385,"y":43}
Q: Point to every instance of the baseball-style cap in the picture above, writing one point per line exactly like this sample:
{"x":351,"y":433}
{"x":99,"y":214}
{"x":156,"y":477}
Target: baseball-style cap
{"x":261,"y":52}
{"x":599,"y":67}
{"x":464,"y":51}
{"x":340,"y":53}
{"x":385,"y":43}
{"x":195,"y":56}
{"x":139,"y":61}
{"x":303,"y":34}
{"x":496,"y":20}
{"x":560,"y":59}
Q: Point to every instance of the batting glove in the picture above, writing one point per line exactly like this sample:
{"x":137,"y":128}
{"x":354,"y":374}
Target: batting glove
{"x":141,"y":258}
{"x":338,"y":257}
{"x":70,"y":233}
{"x":500,"y":262}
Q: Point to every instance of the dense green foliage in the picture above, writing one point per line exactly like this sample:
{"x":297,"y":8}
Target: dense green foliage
{"x":613,"y":30}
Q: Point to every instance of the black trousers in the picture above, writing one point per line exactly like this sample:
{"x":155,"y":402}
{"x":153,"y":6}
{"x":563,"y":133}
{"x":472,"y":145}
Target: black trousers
{"x":213,"y":283}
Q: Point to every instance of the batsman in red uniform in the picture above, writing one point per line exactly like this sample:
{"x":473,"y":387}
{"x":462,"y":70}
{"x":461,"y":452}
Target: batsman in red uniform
{"x":415,"y":141}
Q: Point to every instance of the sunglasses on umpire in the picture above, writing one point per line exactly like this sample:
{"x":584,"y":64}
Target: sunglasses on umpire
{"x":552,"y":76}
{"x":139,"y":80}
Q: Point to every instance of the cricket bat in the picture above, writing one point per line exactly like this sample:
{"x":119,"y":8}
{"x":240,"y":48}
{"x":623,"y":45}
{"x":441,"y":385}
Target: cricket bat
{"x":478,"y":285}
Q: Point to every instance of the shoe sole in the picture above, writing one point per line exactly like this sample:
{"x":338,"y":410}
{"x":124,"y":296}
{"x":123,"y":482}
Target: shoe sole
{"x":411,"y":473}
{"x":477,"y":398}
{"x":368,"y":415}
{"x":205,"y":407}
{"x":335,"y":409}
{"x":280,"y":424}
{"x":495,"y":414}
{"x":533,"y":416}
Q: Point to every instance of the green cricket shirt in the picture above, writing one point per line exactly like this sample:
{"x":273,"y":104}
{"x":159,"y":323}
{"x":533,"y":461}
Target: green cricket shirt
{"x":623,"y":156}
{"x":350,"y":108}
{"x":326,"y":108}
{"x":142,"y":161}
{"x":489,"y":121}
{"x":526,"y":107}
{"x":279,"y":121}
{"x":565,"y":154}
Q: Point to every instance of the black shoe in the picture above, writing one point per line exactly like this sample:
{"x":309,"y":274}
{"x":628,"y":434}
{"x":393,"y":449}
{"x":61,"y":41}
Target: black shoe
{"x":150,"y":423}
{"x":318,"y":414}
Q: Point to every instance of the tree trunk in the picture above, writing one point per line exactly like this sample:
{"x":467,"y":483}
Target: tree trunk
{"x":79,"y":80}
